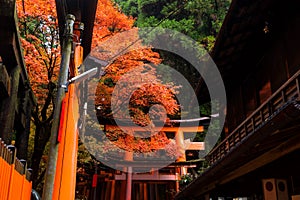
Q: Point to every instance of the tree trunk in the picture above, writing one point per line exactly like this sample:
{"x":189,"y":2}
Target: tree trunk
{"x":23,"y":135}
{"x":42,"y":135}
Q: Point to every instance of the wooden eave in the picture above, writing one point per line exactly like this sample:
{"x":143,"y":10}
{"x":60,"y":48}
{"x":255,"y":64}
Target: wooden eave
{"x":241,"y":40}
{"x":84,"y":11}
{"x":242,"y":27}
{"x":241,"y":32}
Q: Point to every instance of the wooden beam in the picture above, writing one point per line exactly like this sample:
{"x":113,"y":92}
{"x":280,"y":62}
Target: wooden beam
{"x":285,"y":148}
{"x":272,"y":155}
{"x":149,"y":177}
{"x":154,"y":164}
{"x":188,"y":129}
{"x":209,"y":182}
{"x":196,"y":146}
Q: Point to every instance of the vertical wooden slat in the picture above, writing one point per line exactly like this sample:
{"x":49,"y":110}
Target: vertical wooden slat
{"x":6,"y":179}
{"x":145,"y":197}
{"x":107,"y":190}
{"x":13,"y":182}
{"x":27,"y":186}
{"x":112,"y":191}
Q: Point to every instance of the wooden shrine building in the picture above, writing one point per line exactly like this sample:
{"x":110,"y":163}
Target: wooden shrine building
{"x":16,"y":96}
{"x":258,"y":54}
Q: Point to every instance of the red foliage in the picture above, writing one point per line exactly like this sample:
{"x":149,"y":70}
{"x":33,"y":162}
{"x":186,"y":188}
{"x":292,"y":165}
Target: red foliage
{"x":42,"y":57}
{"x":136,"y":144}
{"x":108,"y":21}
{"x":39,"y":38}
{"x":126,"y":54}
{"x":42,"y":8}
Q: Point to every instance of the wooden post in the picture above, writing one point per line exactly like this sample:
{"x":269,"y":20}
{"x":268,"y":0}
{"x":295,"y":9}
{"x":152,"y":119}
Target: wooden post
{"x":63,"y":79}
{"x":65,"y":179}
{"x":107,"y":189}
{"x":8,"y":107}
{"x":145,"y":191}
{"x":179,"y":138}
{"x":128,"y":183}
{"x":128,"y":157}
{"x":177,"y":186}
{"x":122,"y":190}
{"x":156,"y":191}
{"x":112,"y":191}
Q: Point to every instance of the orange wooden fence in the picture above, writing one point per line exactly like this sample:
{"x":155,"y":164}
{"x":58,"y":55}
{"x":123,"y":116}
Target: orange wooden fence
{"x":14,"y":176}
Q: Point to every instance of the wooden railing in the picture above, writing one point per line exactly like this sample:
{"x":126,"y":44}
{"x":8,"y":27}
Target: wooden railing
{"x":15,"y":180}
{"x":287,"y":92}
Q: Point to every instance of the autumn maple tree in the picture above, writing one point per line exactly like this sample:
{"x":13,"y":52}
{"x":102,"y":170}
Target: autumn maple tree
{"x":147,"y":91}
{"x":39,"y":38}
{"x":132,"y":77}
{"x":40,"y":41}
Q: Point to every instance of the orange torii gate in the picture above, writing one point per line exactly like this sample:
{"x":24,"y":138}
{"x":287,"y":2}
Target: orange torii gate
{"x":60,"y":180}
{"x":61,"y":172}
{"x":65,"y":179}
{"x":154,"y":176}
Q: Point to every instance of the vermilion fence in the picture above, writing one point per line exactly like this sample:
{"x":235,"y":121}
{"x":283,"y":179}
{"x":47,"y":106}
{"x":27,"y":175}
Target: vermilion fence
{"x":15,"y":180}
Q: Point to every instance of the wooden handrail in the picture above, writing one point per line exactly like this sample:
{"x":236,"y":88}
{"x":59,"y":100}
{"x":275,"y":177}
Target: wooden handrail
{"x":258,"y":117}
